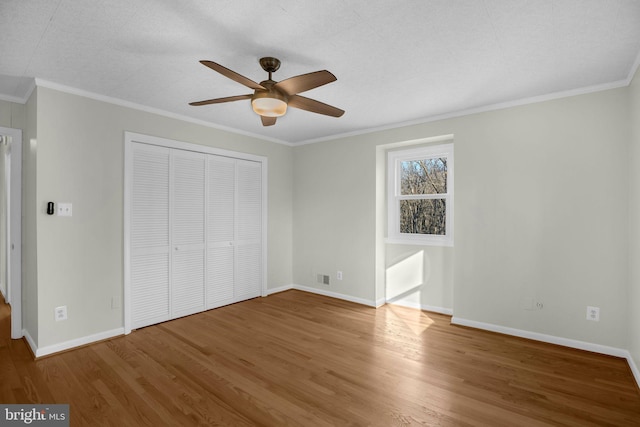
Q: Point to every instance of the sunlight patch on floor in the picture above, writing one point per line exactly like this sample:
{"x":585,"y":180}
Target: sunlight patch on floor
{"x":414,"y":319}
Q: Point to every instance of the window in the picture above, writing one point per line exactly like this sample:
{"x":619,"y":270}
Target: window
{"x":420,"y":195}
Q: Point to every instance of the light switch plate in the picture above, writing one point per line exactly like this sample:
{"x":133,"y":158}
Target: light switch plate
{"x":65,"y":209}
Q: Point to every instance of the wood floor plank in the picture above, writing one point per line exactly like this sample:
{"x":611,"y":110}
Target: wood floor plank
{"x":298,"y":359}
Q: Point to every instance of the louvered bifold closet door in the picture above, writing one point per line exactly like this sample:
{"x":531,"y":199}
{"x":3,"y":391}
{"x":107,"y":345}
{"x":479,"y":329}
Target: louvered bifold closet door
{"x":221,"y":231}
{"x":248,"y":244}
{"x":149,"y":235}
{"x":188,"y":233}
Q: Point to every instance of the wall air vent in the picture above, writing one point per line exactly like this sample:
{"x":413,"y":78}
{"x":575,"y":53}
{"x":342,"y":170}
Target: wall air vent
{"x":323,"y":278}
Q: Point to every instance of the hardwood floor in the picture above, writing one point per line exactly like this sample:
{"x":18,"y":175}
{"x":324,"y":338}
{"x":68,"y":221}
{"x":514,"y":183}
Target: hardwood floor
{"x":301,"y":359}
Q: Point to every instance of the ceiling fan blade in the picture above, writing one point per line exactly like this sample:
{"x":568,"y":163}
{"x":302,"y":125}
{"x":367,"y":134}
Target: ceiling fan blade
{"x":232,"y":75}
{"x":314,"y":106}
{"x":268,"y":121}
{"x":304,"y":82}
{"x":221,"y":100}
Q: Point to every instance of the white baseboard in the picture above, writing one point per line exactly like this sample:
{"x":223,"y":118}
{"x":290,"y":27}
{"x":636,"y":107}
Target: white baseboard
{"x":30,"y":341}
{"x":634,"y":368}
{"x":326,"y":293}
{"x":424,"y":307}
{"x":377,"y":303}
{"x":66,"y":345}
{"x":78,"y":342}
{"x":581,"y":345}
{"x":279,"y":289}
{"x":566,"y":342}
{"x":597,"y":348}
{"x":370,"y":303}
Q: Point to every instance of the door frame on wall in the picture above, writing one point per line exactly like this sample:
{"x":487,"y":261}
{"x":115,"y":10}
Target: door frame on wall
{"x":14,"y":228}
{"x":131,"y":138}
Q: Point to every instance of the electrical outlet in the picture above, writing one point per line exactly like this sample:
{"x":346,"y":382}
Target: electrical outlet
{"x":339,"y":275}
{"x":531,"y":304}
{"x":61,"y":313}
{"x":593,"y":313}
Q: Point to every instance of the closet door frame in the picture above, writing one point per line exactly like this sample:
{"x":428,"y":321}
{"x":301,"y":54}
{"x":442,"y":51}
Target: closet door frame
{"x":131,"y":138}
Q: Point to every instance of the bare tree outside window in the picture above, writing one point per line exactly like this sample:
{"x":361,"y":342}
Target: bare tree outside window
{"x":423,"y":215}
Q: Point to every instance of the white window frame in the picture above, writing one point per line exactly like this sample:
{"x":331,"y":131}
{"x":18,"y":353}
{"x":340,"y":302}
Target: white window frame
{"x":394,"y":160}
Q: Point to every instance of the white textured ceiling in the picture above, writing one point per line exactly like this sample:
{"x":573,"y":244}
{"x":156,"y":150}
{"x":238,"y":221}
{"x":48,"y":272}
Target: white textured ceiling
{"x":396,"y":61}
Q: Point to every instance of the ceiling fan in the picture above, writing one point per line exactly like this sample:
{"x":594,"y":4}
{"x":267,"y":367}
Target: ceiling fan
{"x":270,"y":98}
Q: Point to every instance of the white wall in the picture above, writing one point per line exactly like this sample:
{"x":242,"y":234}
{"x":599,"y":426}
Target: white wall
{"x":80,"y":160}
{"x":540,"y":212}
{"x":334,"y":212}
{"x":6,"y":113}
{"x":29,"y":220}
{"x":419,"y":276}
{"x":634,"y":222}
{"x":19,"y":116}
{"x":4,"y":276}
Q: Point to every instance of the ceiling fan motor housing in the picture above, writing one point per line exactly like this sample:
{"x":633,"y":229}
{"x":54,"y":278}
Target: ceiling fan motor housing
{"x":270,"y":102}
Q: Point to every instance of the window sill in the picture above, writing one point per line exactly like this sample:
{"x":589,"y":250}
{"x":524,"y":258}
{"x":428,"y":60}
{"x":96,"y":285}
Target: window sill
{"x":419,"y":242}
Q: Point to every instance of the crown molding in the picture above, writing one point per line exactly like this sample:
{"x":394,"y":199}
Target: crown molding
{"x":128,"y":104}
{"x":455,"y":114}
{"x":482,"y":109}
{"x":633,"y":70}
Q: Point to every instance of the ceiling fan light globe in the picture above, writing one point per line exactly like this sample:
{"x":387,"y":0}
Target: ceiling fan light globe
{"x":269,"y":104}
{"x":269,"y":107}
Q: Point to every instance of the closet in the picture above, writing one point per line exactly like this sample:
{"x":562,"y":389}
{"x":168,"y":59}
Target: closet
{"x":193,"y":229}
